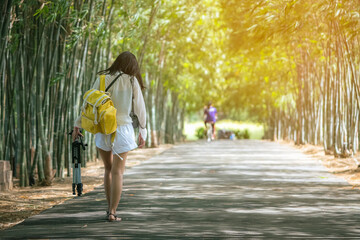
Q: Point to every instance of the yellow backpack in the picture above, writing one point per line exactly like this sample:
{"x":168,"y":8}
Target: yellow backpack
{"x":98,"y":113}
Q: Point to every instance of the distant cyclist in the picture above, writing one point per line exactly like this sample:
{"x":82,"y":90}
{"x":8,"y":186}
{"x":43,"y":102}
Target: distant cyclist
{"x":210,"y":116}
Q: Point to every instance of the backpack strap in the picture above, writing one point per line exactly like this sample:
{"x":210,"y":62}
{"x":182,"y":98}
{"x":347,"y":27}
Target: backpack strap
{"x":132,"y":89}
{"x":121,"y":73}
{"x":102,"y":83}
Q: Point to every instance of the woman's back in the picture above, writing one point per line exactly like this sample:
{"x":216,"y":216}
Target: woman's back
{"x":121,"y":94}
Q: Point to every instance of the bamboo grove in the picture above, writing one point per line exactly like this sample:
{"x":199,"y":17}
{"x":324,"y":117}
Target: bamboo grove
{"x":50,"y":54}
{"x":296,"y":67}
{"x":291,"y":64}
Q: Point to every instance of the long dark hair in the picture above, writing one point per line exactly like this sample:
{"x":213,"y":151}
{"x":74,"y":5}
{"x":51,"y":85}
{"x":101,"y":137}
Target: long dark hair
{"x":127,"y":63}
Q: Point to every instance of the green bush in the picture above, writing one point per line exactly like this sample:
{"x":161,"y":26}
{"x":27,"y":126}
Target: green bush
{"x":238,"y":134}
{"x":246,"y":134}
{"x":200,"y":133}
{"x":241,"y":134}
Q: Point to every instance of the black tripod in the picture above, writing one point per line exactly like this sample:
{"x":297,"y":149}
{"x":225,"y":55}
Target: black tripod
{"x":76,"y":164}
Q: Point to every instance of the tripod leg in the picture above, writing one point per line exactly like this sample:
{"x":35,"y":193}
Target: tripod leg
{"x":79,"y":189}
{"x":74,"y":182}
{"x":78,"y":180}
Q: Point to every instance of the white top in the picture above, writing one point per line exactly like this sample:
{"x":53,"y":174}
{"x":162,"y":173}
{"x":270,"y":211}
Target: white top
{"x":121,"y":95}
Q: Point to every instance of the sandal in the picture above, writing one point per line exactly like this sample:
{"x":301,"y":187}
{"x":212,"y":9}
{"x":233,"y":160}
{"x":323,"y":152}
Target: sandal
{"x":107,"y":215}
{"x":116,"y":219}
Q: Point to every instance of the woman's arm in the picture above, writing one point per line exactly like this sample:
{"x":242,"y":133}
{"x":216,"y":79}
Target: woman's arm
{"x":139,"y":108}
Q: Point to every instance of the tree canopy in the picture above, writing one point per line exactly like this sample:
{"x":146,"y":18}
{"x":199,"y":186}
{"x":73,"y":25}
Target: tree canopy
{"x":292,"y":65}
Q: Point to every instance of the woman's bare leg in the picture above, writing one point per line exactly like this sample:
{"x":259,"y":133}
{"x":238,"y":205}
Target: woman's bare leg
{"x":117,"y":171}
{"x":106,"y":156}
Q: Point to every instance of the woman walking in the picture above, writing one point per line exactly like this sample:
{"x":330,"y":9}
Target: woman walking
{"x":124,"y":92}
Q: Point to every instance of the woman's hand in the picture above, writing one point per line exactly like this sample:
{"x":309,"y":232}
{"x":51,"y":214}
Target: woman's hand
{"x":76,"y":132}
{"x":141,"y":141}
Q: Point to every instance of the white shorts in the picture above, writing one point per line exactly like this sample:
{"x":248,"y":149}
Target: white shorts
{"x":124,"y":140}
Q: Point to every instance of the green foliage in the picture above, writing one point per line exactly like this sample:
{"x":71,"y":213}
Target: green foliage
{"x":240,"y":134}
{"x":255,"y":131}
{"x":246,"y":134}
{"x":285,"y":58}
{"x":265,"y":61}
{"x":200,"y":133}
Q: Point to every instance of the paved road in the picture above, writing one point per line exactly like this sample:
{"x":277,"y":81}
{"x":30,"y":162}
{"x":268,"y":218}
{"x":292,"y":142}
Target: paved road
{"x":223,"y":189}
